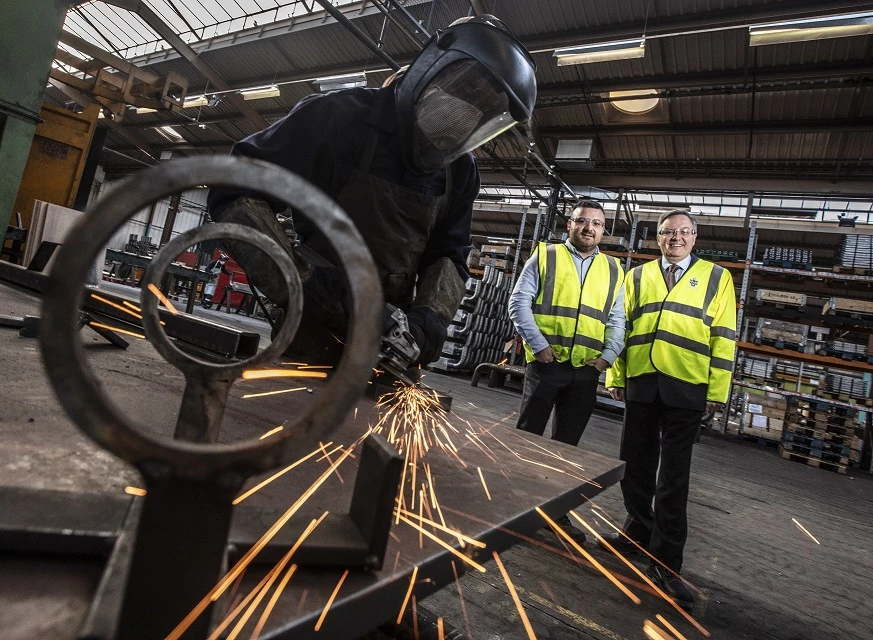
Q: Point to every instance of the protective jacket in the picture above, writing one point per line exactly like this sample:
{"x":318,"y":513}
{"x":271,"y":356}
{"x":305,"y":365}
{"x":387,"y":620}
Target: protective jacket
{"x":572,"y":315}
{"x":688,"y":333}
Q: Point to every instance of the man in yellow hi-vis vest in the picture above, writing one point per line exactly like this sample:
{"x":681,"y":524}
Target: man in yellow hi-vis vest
{"x":568,"y":307}
{"x":681,"y":317}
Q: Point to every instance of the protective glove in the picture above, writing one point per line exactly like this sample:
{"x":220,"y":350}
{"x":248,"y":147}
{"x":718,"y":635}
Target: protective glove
{"x":429,"y":331}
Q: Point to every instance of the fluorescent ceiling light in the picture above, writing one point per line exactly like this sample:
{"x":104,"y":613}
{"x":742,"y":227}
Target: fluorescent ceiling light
{"x":195,"y":101}
{"x":602,"y":52}
{"x":169,"y":133}
{"x":258,"y":93}
{"x":141,"y":110}
{"x":347,"y":81}
{"x":815,"y":29}
{"x":642,"y":100}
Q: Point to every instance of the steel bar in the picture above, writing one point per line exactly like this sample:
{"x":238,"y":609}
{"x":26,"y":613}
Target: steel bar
{"x":366,"y":40}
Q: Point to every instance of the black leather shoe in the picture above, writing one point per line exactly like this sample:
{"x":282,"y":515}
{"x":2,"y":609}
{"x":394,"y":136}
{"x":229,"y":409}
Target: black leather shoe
{"x":570,"y":529}
{"x":672,"y":585}
{"x":621,"y":544}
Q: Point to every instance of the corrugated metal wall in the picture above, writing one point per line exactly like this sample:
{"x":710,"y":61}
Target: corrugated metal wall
{"x":191,"y":214}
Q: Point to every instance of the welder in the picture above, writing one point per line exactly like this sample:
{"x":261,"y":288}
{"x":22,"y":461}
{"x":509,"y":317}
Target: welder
{"x":398,"y":160}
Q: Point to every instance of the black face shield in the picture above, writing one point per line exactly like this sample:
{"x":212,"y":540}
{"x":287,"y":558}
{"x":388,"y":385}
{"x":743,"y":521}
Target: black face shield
{"x":471,"y":82}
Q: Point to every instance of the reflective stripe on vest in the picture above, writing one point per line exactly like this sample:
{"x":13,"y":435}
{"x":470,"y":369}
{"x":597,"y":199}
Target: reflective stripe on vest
{"x":572,"y":317}
{"x":671,"y":332}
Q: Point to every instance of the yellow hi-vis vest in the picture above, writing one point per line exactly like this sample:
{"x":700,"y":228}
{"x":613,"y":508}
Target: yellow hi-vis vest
{"x":688,"y":333}
{"x":572,"y":316}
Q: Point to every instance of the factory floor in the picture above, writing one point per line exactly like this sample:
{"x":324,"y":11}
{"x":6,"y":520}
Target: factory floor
{"x":759,"y":574}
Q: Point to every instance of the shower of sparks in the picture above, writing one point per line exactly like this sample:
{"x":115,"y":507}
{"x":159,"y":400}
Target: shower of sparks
{"x":278,"y":474}
{"x":330,"y":600}
{"x":670,"y":627}
{"x":134,"y":491}
{"x":117,"y":306}
{"x":485,"y":486}
{"x":272,"y":431}
{"x":100,"y":325}
{"x":408,"y":593}
{"x":272,"y":393}
{"x":244,"y":562}
{"x":237,"y":609}
{"x":163,"y":299}
{"x":260,"y":374}
{"x":530,"y":632}
{"x":802,"y":528}
{"x":643,"y":576}
{"x":655,"y":632}
{"x":563,"y":534}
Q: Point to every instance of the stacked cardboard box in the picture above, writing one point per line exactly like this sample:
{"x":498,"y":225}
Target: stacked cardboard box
{"x":764,"y":416}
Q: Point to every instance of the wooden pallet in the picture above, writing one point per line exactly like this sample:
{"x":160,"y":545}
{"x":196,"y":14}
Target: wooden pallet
{"x":813,"y":462}
{"x":858,"y":271}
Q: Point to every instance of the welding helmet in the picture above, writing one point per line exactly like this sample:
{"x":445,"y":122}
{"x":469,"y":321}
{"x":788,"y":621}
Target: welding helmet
{"x":472,"y":81}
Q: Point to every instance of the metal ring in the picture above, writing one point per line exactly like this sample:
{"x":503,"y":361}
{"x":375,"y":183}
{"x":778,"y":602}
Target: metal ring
{"x":78,"y":389}
{"x":186,"y":362}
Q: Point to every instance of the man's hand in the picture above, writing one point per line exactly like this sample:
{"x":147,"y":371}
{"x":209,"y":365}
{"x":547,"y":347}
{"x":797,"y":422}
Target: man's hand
{"x":712,"y":407}
{"x":545,"y":356}
{"x":598,"y":363}
{"x":617,"y":393}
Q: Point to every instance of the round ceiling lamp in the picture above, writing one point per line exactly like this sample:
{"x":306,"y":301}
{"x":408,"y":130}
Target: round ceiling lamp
{"x":643,"y":100}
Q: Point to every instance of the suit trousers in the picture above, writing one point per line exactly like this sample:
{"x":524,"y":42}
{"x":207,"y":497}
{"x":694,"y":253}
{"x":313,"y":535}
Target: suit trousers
{"x":570,"y":390}
{"x":653,"y":433}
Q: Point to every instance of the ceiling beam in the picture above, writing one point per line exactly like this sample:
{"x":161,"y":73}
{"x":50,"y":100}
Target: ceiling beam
{"x":710,"y":129}
{"x":204,"y":68}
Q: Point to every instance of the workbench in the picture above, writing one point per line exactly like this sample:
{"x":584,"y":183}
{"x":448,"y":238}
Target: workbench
{"x":52,"y":474}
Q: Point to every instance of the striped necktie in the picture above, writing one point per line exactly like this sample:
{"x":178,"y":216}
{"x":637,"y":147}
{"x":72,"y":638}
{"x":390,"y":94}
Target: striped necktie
{"x":671,"y":276}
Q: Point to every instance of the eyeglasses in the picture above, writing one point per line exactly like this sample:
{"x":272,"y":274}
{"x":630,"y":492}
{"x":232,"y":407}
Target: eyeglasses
{"x":597,"y":224}
{"x":685,"y":231}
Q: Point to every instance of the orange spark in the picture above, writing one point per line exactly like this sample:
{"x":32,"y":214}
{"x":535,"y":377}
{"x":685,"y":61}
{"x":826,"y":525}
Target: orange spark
{"x":482,"y":478}
{"x":260,"y":374}
{"x":164,"y":300}
{"x":440,"y":632}
{"x":100,"y":325}
{"x":330,"y":600}
{"x":272,"y":431}
{"x":272,"y":393}
{"x":272,"y":603}
{"x":451,"y":549}
{"x":315,"y":366}
{"x":437,"y":525}
{"x":295,"y":364}
{"x":802,"y":528}
{"x":655,"y":632}
{"x":408,"y":593}
{"x":327,"y":455}
{"x":263,"y":484}
{"x":530,"y":632}
{"x":463,"y":604}
{"x":134,"y":491}
{"x":131,"y":305}
{"x":558,"y":530}
{"x":670,"y":627}
{"x":117,"y":306}
{"x":238,"y":608}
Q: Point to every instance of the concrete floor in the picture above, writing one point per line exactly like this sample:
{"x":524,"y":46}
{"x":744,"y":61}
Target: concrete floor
{"x":759,"y":574}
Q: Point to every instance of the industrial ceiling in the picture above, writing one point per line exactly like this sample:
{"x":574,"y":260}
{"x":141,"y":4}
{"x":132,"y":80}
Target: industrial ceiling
{"x":783,"y":118}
